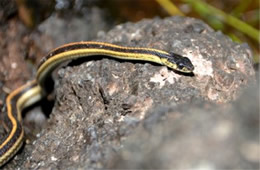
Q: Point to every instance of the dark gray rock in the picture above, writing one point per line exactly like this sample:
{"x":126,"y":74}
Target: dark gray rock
{"x":120,"y":114}
{"x":201,"y":135}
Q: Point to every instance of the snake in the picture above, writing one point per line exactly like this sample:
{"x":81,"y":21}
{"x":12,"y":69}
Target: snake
{"x":34,"y":90}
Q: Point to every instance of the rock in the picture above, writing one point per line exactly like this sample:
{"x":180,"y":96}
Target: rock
{"x":200,"y":135}
{"x":120,"y":114}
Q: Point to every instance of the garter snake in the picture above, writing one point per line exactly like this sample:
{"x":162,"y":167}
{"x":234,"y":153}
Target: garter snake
{"x":34,"y":90}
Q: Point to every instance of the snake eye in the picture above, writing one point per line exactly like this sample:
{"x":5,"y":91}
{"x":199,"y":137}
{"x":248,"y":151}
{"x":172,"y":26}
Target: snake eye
{"x":180,"y":65}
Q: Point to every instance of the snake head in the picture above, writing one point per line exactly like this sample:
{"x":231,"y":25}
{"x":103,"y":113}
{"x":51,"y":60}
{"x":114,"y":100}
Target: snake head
{"x":180,"y":63}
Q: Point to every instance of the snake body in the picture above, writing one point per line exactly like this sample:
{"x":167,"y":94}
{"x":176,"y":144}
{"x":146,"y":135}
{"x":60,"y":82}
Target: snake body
{"x":34,"y":90}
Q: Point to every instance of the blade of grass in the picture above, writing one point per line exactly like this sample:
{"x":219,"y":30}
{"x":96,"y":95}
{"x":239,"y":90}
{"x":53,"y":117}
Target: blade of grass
{"x":228,"y":19}
{"x":169,"y":6}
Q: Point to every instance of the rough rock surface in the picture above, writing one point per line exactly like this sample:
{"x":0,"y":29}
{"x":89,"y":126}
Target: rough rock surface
{"x":203,"y":136}
{"x":120,"y":114}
